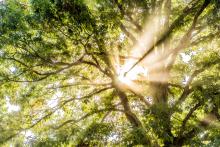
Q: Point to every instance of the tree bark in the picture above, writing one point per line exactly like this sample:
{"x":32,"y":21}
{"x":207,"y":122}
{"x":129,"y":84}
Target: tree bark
{"x":128,"y":113}
{"x":131,"y":117}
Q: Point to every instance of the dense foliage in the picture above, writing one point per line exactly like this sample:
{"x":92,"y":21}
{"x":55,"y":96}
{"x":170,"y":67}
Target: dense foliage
{"x":110,"y":72}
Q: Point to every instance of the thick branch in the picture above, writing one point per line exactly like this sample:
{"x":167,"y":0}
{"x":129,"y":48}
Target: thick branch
{"x":191,"y":111}
{"x":186,"y":38}
{"x":132,"y":118}
{"x":96,"y":66}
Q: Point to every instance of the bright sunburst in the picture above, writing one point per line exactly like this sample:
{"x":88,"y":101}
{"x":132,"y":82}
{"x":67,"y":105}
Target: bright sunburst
{"x":131,"y":75}
{"x":151,"y":67}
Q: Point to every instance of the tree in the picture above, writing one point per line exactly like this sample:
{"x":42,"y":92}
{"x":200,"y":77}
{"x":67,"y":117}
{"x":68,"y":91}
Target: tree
{"x":110,"y":72}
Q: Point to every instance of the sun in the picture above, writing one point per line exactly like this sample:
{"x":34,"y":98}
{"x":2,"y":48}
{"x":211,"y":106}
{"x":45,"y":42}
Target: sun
{"x":128,"y":77}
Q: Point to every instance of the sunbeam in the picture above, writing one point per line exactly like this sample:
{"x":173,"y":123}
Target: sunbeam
{"x":151,"y":68}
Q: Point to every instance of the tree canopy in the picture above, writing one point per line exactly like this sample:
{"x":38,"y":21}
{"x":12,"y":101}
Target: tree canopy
{"x":110,"y":73}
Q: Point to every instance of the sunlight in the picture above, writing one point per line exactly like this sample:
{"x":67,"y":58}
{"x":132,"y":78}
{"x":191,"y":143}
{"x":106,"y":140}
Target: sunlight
{"x":150,"y":68}
{"x":132,"y":75}
{"x":147,"y":38}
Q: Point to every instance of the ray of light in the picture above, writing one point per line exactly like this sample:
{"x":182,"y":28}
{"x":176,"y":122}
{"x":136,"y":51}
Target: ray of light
{"x":153,"y":67}
{"x":144,"y":43}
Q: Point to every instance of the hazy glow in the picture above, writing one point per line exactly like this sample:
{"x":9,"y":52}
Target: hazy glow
{"x":147,"y":38}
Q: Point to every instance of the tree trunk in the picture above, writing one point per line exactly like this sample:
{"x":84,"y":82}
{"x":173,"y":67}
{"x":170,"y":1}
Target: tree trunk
{"x":131,"y":117}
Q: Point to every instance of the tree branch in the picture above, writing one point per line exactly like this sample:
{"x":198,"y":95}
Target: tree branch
{"x":191,"y":111}
{"x":128,"y":34}
{"x":123,"y":13}
{"x":80,"y":84}
{"x":87,"y":115}
{"x":186,"y":38}
{"x":46,"y":74}
{"x":186,"y":90}
{"x":176,"y":23}
{"x":132,"y":118}
{"x":141,"y":97}
{"x":87,"y":96}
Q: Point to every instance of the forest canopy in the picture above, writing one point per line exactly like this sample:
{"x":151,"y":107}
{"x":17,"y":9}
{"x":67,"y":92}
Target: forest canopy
{"x":110,"y":73}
